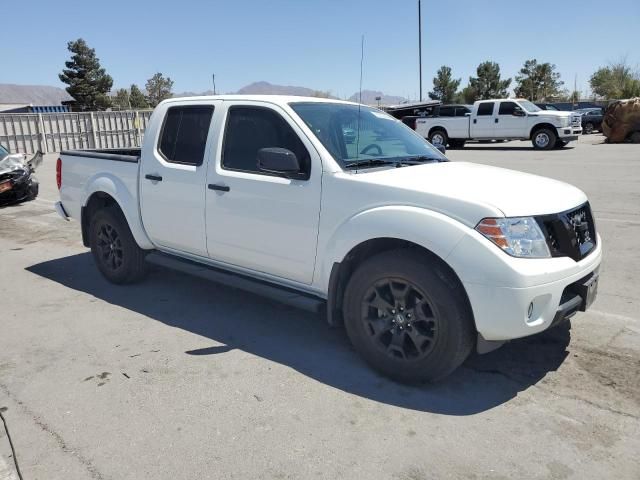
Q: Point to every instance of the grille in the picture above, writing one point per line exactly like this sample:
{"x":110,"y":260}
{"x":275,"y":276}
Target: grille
{"x":576,"y":121}
{"x":571,"y":233}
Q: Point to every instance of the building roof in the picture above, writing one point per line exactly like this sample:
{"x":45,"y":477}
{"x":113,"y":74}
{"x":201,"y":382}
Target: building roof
{"x":32,"y":94}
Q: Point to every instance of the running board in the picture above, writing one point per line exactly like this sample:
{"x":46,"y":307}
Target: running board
{"x":271,"y":291}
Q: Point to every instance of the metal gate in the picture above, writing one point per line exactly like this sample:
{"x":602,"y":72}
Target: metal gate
{"x":52,"y":132}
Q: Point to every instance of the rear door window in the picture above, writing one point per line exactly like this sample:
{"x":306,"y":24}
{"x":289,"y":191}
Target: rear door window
{"x":447,"y":111}
{"x":184,"y":134}
{"x":485,"y":108}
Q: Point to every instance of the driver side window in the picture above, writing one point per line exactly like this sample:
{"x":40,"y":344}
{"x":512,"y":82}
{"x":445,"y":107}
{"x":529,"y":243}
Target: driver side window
{"x":249,"y":129}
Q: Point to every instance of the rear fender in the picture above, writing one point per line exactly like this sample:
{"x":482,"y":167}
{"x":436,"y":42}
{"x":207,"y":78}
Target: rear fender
{"x":128,"y":203}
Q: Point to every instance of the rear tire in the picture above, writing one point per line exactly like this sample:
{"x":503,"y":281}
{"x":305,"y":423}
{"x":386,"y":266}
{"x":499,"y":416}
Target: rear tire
{"x":544,"y":139}
{"x":408,"y":316}
{"x":115,"y":251}
{"x":438,"y":137}
{"x":588,"y":128}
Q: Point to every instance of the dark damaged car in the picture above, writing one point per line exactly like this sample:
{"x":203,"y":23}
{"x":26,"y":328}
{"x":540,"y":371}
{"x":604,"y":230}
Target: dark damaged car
{"x":17,"y":182}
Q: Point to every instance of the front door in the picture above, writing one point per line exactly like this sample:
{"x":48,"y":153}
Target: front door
{"x":512,"y":121}
{"x":257,"y":220}
{"x":173,"y":179}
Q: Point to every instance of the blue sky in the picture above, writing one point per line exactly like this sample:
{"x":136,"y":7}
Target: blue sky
{"x":314,"y":43}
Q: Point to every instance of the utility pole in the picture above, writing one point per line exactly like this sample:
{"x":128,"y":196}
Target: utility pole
{"x":213,"y":77}
{"x":420,"y":44}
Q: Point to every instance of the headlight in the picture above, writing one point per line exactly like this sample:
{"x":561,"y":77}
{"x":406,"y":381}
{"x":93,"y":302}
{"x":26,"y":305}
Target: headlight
{"x":566,"y":121}
{"x":518,"y":236}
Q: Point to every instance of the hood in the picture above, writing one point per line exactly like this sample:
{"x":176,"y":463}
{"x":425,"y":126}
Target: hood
{"x":471,"y":191}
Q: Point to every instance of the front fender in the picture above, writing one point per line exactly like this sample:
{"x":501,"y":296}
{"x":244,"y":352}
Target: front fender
{"x":434,"y":231}
{"x":126,"y":200}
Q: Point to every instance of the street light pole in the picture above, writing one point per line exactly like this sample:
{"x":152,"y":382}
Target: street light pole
{"x":420,"y":45}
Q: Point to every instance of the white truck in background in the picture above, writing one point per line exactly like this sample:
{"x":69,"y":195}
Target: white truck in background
{"x":502,"y":119}
{"x":420,"y":258}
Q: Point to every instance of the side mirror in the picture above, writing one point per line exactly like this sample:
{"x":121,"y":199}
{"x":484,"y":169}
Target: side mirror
{"x":519,"y":113}
{"x":279,"y":161}
{"x":441,"y":148}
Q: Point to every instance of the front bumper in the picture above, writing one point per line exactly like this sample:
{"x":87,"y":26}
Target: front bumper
{"x":569,"y":134}
{"x":543,"y":293}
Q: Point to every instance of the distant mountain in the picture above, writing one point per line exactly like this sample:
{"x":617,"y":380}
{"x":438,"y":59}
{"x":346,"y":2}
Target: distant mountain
{"x":369,"y":98}
{"x":266,"y":88}
{"x":194,"y":94}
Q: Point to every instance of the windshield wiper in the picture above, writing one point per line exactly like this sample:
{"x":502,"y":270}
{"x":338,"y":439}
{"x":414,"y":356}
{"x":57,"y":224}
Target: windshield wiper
{"x":373,"y":162}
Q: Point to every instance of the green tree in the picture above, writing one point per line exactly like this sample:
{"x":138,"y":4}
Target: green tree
{"x":538,"y":81}
{"x":158,"y":89}
{"x":466,"y":95}
{"x":444,"y":86}
{"x":88,"y":81}
{"x":121,"y":99}
{"x":137,"y":98}
{"x":488,"y":83}
{"x":615,"y":81}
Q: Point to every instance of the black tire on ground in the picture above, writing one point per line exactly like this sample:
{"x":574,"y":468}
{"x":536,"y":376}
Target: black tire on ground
{"x":455,"y":143}
{"x":115,"y":251}
{"x":588,"y":128}
{"x":561,"y":143}
{"x":408,"y":316}
{"x":544,"y":139}
{"x":438,"y":136}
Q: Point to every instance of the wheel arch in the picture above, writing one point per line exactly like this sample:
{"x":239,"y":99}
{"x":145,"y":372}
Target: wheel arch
{"x":106,"y":192}
{"x":437,"y":128}
{"x":540,"y":126}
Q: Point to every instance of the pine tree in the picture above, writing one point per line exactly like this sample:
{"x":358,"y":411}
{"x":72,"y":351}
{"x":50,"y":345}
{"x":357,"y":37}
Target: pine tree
{"x":137,"y":98}
{"x":488,"y":83}
{"x":158,"y":89}
{"x":444,"y":86}
{"x":121,"y":99}
{"x":88,"y":82}
{"x":538,"y":81}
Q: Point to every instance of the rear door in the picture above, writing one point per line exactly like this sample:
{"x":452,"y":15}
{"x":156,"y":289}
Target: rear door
{"x":511,"y":122}
{"x":256,"y":220}
{"x":173,"y":179}
{"x":483,"y":121}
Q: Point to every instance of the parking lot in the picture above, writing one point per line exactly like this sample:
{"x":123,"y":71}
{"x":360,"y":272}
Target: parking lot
{"x":176,"y":378}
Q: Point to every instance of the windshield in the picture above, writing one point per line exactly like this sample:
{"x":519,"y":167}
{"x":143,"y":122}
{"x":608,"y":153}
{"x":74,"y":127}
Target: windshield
{"x":529,"y":107}
{"x":3,"y":152}
{"x":355,"y":135}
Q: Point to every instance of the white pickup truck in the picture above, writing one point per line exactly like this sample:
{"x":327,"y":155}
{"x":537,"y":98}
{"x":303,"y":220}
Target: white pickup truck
{"x":422,"y":259}
{"x":502,"y":119}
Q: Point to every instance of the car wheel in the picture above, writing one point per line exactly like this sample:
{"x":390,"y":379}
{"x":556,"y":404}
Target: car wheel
{"x":115,"y":251}
{"x":543,"y":139}
{"x":408,"y":316}
{"x":438,"y":137}
{"x":588,"y":128}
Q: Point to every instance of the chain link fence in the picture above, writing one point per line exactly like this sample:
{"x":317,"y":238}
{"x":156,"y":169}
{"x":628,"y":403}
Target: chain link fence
{"x":52,"y":132}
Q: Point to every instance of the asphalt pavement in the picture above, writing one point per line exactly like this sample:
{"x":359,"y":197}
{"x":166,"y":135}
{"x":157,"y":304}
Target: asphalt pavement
{"x":177,"y":378}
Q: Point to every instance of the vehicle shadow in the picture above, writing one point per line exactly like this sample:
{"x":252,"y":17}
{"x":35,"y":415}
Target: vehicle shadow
{"x":234,"y":319}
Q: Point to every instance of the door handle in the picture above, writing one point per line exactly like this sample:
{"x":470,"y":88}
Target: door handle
{"x":496,"y":120}
{"x":475,"y":120}
{"x":155,"y":178}
{"x":220,"y":188}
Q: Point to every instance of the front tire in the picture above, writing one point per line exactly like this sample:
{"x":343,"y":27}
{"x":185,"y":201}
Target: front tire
{"x":115,"y":251}
{"x":544,"y":139}
{"x":408,"y":316}
{"x":438,"y":137}
{"x":588,"y":128}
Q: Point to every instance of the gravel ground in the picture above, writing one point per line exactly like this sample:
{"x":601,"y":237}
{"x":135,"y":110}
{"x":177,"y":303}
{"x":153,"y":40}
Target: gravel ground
{"x":179,"y":378}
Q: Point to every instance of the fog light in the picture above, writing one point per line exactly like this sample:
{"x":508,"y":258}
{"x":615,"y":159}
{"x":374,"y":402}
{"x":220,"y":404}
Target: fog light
{"x":530,"y":311}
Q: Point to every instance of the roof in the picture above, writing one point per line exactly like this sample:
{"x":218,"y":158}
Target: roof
{"x":276,"y":99}
{"x":32,"y":94}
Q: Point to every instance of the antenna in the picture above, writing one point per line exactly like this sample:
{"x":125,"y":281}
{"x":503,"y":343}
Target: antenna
{"x":360,"y":96}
